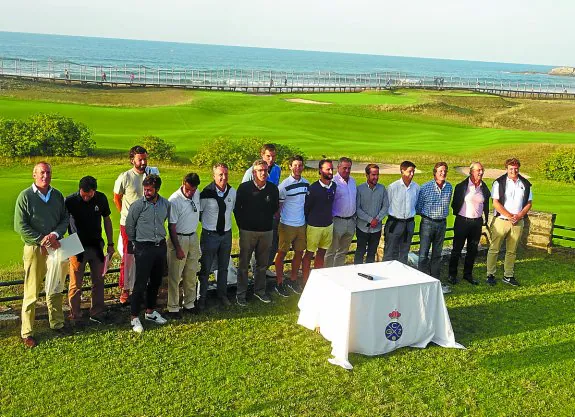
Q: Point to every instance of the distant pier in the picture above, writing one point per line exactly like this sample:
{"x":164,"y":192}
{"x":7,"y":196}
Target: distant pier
{"x":268,"y":82}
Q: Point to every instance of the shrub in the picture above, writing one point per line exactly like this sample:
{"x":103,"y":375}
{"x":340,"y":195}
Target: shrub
{"x":158,"y":148}
{"x":560,"y":166}
{"x":239,"y":154}
{"x":45,"y":135}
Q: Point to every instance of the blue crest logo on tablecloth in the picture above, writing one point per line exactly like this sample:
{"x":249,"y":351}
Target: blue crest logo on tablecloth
{"x":393,"y":330}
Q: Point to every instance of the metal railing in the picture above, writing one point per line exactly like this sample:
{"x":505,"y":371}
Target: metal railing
{"x":275,"y":81}
{"x":117,"y":270}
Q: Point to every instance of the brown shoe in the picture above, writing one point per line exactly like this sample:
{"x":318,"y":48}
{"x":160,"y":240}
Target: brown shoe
{"x":29,"y":342}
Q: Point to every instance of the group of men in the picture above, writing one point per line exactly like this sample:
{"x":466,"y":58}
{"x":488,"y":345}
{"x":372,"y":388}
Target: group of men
{"x":317,"y":221}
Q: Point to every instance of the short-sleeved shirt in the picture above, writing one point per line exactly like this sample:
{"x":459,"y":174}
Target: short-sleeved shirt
{"x":274,"y":174}
{"x":292,"y":198}
{"x":129,"y":185}
{"x":514,"y":195}
{"x":86,"y":217}
{"x":184,"y":212}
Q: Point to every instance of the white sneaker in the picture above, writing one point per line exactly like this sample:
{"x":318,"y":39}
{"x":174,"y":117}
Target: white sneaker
{"x":155,"y":317}
{"x":137,"y":325}
{"x":445,"y":289}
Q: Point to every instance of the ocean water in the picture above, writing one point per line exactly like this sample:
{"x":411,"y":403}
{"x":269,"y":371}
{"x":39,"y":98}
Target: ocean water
{"x":152,"y":54}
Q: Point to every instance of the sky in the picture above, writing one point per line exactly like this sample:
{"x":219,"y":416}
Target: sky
{"x":518,"y":31}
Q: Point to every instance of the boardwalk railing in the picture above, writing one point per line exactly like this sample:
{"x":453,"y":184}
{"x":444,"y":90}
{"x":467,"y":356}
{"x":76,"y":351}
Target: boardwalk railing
{"x":231,"y":79}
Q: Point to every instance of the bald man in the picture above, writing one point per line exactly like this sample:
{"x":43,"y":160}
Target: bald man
{"x":41,"y":219}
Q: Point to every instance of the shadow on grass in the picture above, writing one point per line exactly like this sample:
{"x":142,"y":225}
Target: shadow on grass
{"x":533,"y":356}
{"x":503,"y":318}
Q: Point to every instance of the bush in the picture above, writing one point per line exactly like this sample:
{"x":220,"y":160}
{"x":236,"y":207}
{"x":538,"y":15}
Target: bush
{"x":560,"y":166}
{"x":239,"y":154}
{"x":45,"y":135}
{"x":158,"y":148}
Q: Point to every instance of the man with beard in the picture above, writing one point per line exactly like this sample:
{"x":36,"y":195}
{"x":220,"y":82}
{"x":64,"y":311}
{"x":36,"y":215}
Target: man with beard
{"x":147,"y":241}
{"x":319,"y":218}
{"x":127,"y":189}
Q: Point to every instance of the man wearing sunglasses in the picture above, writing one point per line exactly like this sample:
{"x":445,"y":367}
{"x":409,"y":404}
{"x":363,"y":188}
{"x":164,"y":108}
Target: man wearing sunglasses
{"x":183,"y":246}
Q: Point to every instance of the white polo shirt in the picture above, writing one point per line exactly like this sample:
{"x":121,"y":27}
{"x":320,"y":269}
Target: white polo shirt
{"x":184,"y":212}
{"x":210,"y":209}
{"x":514,"y":193}
{"x":292,"y":198}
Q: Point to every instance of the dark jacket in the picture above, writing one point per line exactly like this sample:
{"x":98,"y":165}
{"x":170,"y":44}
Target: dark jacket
{"x":459,"y":197}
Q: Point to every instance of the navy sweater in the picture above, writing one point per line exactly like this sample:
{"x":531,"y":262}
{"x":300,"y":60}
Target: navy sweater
{"x":319,"y":204}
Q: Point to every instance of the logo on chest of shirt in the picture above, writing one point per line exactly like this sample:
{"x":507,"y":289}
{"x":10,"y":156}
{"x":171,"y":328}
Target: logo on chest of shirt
{"x":96,"y":208}
{"x":268,"y":199}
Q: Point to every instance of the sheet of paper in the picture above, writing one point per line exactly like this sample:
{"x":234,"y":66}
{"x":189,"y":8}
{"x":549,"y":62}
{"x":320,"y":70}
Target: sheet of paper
{"x":71,"y":246}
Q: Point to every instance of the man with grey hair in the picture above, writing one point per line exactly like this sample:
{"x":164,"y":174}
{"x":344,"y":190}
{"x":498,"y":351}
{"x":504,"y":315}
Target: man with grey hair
{"x":41,"y":219}
{"x":471,"y":209}
{"x":217,"y":201}
{"x":257,"y":203}
{"x":343,"y":214}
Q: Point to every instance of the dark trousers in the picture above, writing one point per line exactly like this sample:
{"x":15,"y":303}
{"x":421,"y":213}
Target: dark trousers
{"x":150,"y":265}
{"x":398,"y":235}
{"x":431,"y":235}
{"x":465,"y":229}
{"x":215,"y":246}
{"x":275,"y":241}
{"x":258,"y":243}
{"x":366,"y":242}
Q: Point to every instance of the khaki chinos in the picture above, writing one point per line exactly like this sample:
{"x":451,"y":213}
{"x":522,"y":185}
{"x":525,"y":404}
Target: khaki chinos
{"x":77,"y":268}
{"x":503,"y":230}
{"x":35,"y":269}
{"x":184,"y":271}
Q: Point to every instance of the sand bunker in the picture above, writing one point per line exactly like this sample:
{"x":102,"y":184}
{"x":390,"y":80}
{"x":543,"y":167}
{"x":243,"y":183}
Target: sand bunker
{"x":359,"y":167}
{"x":303,"y":100}
{"x":490,"y":173}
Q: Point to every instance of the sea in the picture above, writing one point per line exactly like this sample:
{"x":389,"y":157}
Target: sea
{"x":109,"y":52}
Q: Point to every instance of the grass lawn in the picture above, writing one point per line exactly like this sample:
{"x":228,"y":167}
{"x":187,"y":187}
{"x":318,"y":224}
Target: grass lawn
{"x":258,"y":362}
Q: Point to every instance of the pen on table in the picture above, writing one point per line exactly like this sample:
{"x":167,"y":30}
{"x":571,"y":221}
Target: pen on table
{"x":369,"y":277}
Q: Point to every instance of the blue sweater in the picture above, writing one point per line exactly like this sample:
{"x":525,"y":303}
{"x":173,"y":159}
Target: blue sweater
{"x":318,"y":204}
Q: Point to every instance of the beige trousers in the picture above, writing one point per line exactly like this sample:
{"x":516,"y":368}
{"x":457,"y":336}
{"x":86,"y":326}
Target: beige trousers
{"x":503,"y":230}
{"x":35,"y":269}
{"x":183,"y":270}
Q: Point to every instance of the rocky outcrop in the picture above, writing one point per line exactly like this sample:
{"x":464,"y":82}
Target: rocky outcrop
{"x":568,"y":71}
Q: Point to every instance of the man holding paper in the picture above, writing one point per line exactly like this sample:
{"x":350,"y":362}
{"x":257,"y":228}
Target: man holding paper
{"x":41,"y":219}
{"x":87,"y":208}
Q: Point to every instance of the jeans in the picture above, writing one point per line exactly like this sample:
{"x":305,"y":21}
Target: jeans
{"x":150,"y":266}
{"x":465,"y":229}
{"x":366,"y":242}
{"x":431,"y":234}
{"x":398,"y":236}
{"x":214,"y":245}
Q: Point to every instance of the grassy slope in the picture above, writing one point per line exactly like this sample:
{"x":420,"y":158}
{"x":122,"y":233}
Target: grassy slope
{"x":258,"y":362}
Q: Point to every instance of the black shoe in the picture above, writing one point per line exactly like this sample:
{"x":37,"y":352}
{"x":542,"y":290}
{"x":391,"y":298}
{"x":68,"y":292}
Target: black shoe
{"x":173,"y":315}
{"x":511,"y":281}
{"x":471,"y":280}
{"x":293,"y":285}
{"x":264,"y":298}
{"x":192,"y":310}
{"x":452,"y":280}
{"x":224,"y":302}
{"x":491,"y":280}
{"x":201,"y":304}
{"x":241,"y":302}
{"x":281,"y":290}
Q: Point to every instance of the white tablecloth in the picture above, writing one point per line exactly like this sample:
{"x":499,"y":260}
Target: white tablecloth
{"x":400,"y":307}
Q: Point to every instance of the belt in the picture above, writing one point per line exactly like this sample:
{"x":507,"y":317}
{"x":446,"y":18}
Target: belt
{"x":344,"y":218}
{"x":432,"y":220}
{"x":471,"y":219}
{"x":186,"y":234}
{"x":395,"y":219}
{"x":148,"y":243}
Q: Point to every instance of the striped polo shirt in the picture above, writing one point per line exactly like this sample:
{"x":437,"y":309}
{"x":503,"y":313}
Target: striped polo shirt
{"x":292,"y":199}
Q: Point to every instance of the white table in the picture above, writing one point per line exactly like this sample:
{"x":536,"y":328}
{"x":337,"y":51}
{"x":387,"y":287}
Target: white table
{"x":400,"y":307}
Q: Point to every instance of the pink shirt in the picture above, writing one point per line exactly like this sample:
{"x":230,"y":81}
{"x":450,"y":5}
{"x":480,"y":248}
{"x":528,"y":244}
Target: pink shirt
{"x":472,"y":207}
